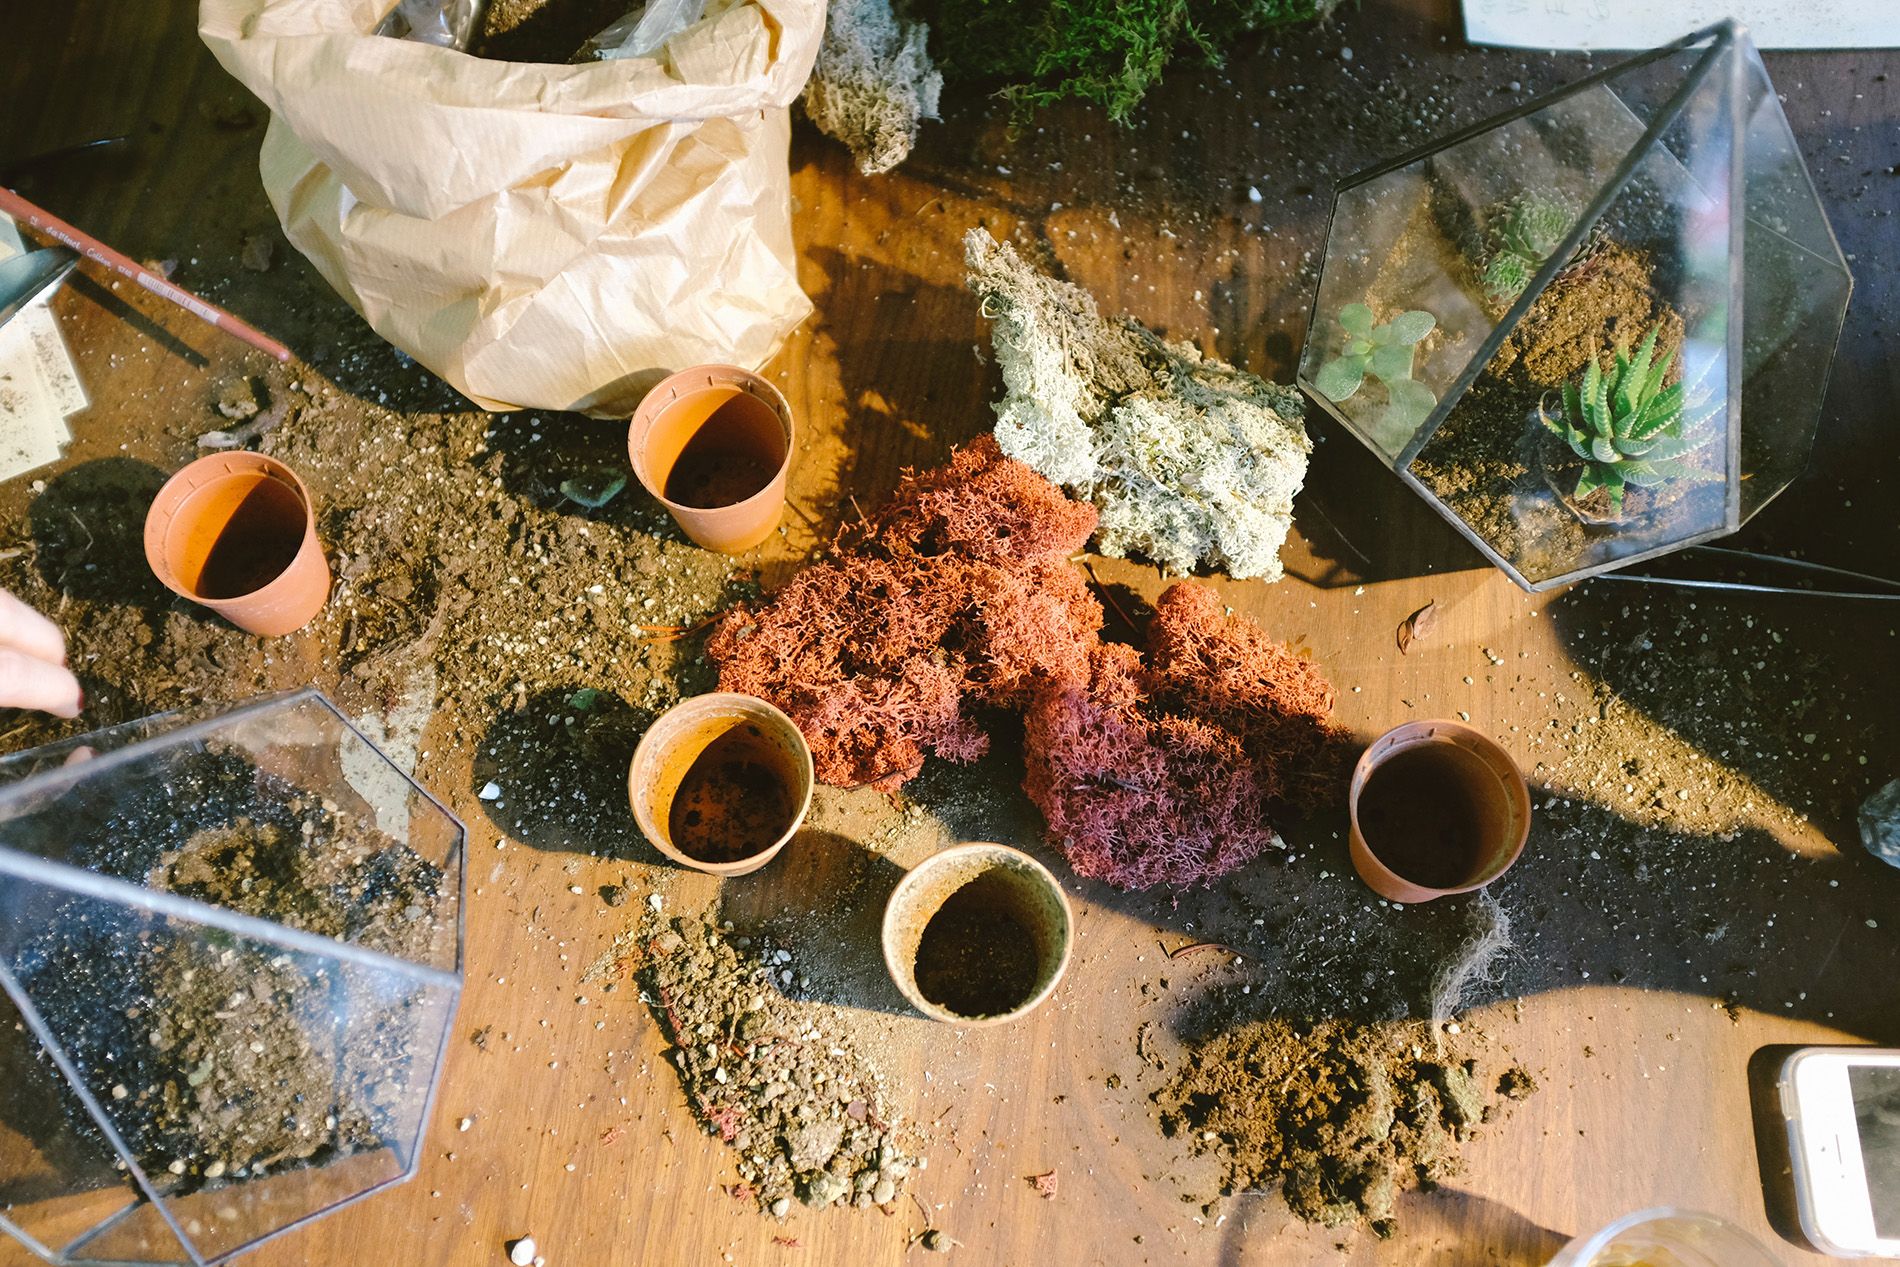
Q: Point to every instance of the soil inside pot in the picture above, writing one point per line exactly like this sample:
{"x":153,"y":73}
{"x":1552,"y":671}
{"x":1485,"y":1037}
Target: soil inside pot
{"x":976,"y":956}
{"x":734,"y":800}
{"x":1423,"y":814}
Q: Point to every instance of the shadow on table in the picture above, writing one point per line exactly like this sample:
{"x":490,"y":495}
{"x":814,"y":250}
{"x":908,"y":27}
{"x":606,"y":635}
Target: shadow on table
{"x":822,"y":900}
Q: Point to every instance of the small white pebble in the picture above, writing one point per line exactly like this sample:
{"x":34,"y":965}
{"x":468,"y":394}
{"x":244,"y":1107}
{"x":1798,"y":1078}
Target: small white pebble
{"x":491,"y":791}
{"x":521,"y":1253}
{"x":465,"y":1123}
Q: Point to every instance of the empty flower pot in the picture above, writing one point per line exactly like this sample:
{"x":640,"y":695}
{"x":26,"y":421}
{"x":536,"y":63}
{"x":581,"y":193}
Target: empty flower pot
{"x":1437,"y":808}
{"x":978,"y":934}
{"x":236,"y":532}
{"x":713,"y":445}
{"x":721,"y":782}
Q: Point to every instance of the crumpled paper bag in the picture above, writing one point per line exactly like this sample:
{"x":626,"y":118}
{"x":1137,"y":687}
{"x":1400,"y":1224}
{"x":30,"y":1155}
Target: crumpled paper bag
{"x":552,"y":237}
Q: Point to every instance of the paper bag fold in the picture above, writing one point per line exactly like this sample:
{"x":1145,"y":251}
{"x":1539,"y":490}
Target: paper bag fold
{"x":554,"y":237}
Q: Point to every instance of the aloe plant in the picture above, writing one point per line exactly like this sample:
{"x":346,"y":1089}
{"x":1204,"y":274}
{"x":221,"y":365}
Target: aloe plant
{"x":1628,"y":428}
{"x":1386,"y":353}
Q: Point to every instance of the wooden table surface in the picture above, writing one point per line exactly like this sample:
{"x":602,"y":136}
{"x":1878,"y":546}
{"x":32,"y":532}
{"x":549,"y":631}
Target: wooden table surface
{"x":1645,"y":1095}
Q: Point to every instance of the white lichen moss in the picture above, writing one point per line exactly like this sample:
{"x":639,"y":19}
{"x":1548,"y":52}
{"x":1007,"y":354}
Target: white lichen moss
{"x":873,"y":82}
{"x":1192,"y":463}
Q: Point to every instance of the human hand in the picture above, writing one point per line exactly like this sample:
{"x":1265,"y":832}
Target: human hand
{"x":33,"y":672}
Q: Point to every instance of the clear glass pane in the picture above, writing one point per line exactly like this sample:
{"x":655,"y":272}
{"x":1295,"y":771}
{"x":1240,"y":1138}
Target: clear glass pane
{"x":1558,"y":483}
{"x":243,"y":935}
{"x":1482,"y":325}
{"x":1795,"y":291}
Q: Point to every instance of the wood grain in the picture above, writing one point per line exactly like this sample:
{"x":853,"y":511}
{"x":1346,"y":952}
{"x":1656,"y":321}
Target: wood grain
{"x":1645,"y":1096}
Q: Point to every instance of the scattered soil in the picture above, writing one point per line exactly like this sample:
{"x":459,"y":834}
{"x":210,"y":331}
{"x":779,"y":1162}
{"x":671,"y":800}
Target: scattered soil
{"x":975,"y":957}
{"x":218,"y":1056}
{"x":1341,"y":1117}
{"x":807,"y":1115}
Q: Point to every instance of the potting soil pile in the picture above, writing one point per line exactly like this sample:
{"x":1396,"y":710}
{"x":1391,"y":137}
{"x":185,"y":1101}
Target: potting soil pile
{"x":214,"y":1055}
{"x":1341,"y":1118}
{"x":808,"y":1117}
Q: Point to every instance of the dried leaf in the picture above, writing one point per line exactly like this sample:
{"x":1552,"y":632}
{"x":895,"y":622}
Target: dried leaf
{"x":1418,"y":625}
{"x":1044,"y":1184}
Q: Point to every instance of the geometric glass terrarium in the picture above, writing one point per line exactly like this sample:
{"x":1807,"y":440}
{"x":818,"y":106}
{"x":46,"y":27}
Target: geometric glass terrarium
{"x":231,"y":952}
{"x":1596,"y":328}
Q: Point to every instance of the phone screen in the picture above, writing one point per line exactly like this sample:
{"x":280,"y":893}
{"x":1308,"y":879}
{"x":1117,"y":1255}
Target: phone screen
{"x":1876,"y":1092}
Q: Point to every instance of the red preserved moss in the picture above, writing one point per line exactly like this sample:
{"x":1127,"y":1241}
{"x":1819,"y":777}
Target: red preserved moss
{"x":956,"y":595}
{"x":1171,"y":772}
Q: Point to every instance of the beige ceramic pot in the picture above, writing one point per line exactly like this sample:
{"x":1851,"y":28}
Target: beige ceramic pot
{"x":978,"y":934}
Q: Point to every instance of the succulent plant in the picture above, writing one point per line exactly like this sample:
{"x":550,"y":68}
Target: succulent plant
{"x":1534,"y":225}
{"x":1384,"y":352}
{"x":1628,"y":428}
{"x":1527,"y":232}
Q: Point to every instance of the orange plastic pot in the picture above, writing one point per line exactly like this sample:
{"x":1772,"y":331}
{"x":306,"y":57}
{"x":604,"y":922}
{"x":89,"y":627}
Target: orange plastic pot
{"x":721,"y":782}
{"x":237,"y":533}
{"x":713,"y":444}
{"x":1437,"y":808}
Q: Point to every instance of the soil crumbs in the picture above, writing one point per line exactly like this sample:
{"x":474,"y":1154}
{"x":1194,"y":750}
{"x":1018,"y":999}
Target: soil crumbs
{"x":772,"y":1077}
{"x":1341,"y":1117}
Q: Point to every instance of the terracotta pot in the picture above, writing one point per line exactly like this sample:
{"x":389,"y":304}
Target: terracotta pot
{"x":721,"y":782}
{"x":1437,"y":808}
{"x":236,"y":532}
{"x":713,"y":444}
{"x":986,"y":927}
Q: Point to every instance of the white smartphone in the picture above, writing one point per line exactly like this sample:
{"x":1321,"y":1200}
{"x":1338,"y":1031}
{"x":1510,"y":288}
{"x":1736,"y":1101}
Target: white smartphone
{"x":1843,"y":1110}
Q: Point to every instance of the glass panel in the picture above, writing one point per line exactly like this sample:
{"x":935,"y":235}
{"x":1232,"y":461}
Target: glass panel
{"x":1441,"y":249}
{"x":236,"y":1073}
{"x":1795,"y":291}
{"x":1560,"y":468}
{"x":243,"y":933}
{"x":59,"y":1179}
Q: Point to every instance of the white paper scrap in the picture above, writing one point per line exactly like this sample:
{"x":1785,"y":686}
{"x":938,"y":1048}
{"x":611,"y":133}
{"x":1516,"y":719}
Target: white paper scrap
{"x":30,"y":423}
{"x":39,"y":384}
{"x":1637,"y":24}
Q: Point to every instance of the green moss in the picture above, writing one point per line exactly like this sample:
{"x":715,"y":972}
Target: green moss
{"x":1109,"y":52}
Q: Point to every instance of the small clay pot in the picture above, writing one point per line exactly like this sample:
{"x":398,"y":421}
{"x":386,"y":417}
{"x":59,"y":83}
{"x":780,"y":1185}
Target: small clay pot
{"x":1437,"y":808}
{"x":721,"y":782}
{"x":713,"y":444}
{"x":237,"y":533}
{"x":978,"y":934}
